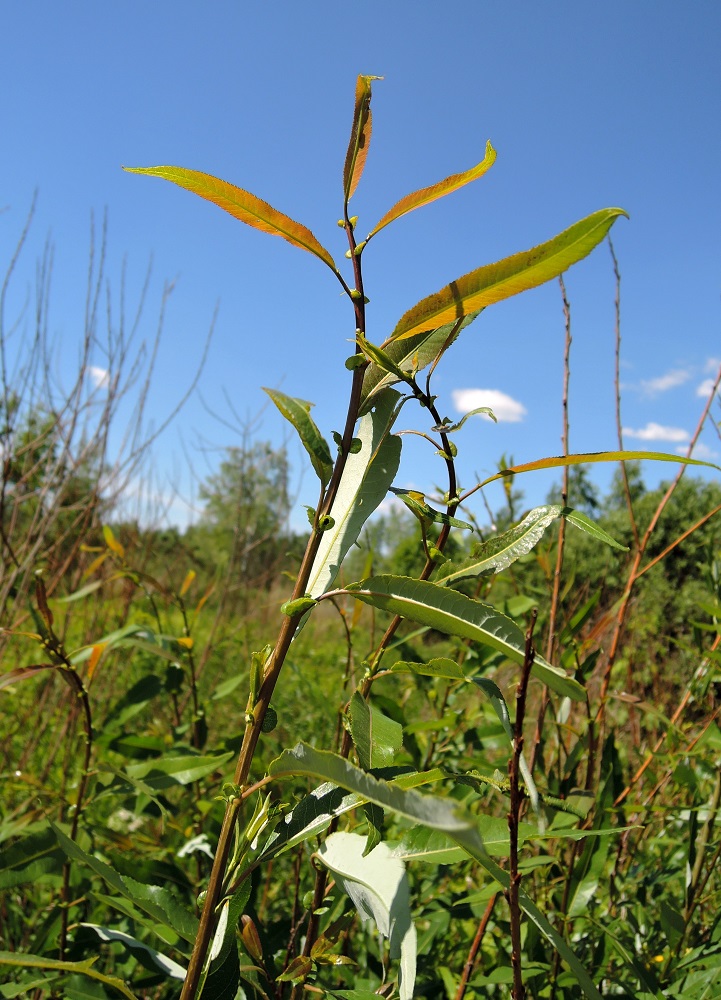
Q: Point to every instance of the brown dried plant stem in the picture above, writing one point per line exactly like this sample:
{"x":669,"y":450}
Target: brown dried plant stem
{"x":276,"y":660}
{"x":518,"y":992}
{"x":475,"y":947}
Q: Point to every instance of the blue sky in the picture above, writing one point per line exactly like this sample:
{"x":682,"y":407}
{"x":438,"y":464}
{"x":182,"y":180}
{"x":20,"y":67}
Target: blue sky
{"x":588,"y":106}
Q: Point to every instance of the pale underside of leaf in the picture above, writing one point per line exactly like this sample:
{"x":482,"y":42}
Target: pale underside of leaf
{"x":297,"y":411}
{"x":241,"y":205}
{"x":429,"y":194}
{"x":495,"y":282}
{"x":437,"y":813}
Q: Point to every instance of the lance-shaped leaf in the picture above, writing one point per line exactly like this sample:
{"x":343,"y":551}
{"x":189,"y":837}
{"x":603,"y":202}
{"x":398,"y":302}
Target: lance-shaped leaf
{"x":360,"y":136}
{"x":376,"y":737}
{"x":426,"y":195}
{"x":415,"y":502}
{"x":589,"y":457}
{"x":411,"y":355}
{"x":241,"y":205}
{"x":455,"y":614}
{"x":431,"y":811}
{"x":378,"y":885}
{"x":19,"y":960}
{"x":163,"y":962}
{"x":497,"y":553}
{"x":494,"y":282}
{"x":297,"y":411}
{"x":367,"y":475}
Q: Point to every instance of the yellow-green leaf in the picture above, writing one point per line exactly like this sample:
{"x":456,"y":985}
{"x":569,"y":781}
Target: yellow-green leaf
{"x":360,"y":136}
{"x":426,"y":195}
{"x":494,"y":282}
{"x":241,"y":205}
{"x":111,"y":541}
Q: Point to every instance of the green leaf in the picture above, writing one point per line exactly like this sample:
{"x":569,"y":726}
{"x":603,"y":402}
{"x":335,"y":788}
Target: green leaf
{"x":157,"y":959}
{"x":241,"y":205}
{"x":366,"y":478}
{"x":437,"y":813}
{"x":441,"y":666}
{"x":499,"y":552}
{"x":580,"y":520}
{"x":495,"y":282}
{"x":425,"y":513}
{"x":31,"y":858}
{"x":19,"y":960}
{"x":224,"y":970}
{"x":297,"y":411}
{"x":455,"y":614}
{"x":376,"y":737}
{"x":360,"y":136}
{"x":153,"y":900}
{"x":429,"y":194}
{"x":378,"y":886}
{"x":165,"y":772}
{"x":410,"y":355}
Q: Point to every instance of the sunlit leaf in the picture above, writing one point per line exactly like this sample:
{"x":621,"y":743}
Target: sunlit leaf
{"x":560,"y":461}
{"x":166,"y":965}
{"x":411,"y":355}
{"x":455,"y":614}
{"x":241,"y":205}
{"x":426,"y":195}
{"x":494,"y":282}
{"x":297,"y":411}
{"x":187,"y":582}
{"x":367,"y":475}
{"x":437,"y":813}
{"x":378,"y":885}
{"x":112,"y":542}
{"x":360,"y":136}
{"x":376,"y":737}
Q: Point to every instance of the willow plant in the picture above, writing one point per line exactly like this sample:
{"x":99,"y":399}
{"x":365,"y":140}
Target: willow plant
{"x":354,"y":476}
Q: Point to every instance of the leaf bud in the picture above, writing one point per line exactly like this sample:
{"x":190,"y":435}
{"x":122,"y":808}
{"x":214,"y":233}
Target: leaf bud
{"x":360,"y":248}
{"x":355,"y":446}
{"x":270,"y":720}
{"x":355,"y":294}
{"x":325,"y":523}
{"x":353,"y":219}
{"x":341,"y":223}
{"x":298,"y":606}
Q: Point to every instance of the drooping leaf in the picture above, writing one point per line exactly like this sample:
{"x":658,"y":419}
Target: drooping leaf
{"x":85,"y":968}
{"x":495,"y":282}
{"x":455,"y":614}
{"x":367,"y":475}
{"x":241,"y":205}
{"x":223,"y":965}
{"x":378,"y":885}
{"x":166,"y":965}
{"x":449,"y":427}
{"x":297,"y":411}
{"x":111,"y":541}
{"x":415,"y":502}
{"x":360,"y":136}
{"x":165,"y":772}
{"x":411,"y":355}
{"x":30,"y":858}
{"x":441,"y":666}
{"x":376,"y":737}
{"x":429,"y":194}
{"x":437,"y":813}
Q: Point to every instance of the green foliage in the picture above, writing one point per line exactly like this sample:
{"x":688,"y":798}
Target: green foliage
{"x":381,"y":824}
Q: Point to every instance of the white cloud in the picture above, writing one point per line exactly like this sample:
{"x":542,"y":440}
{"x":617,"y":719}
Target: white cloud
{"x":504,"y":407}
{"x":700,"y":451}
{"x":98,"y":376}
{"x":665,"y":382}
{"x":656,"y":432}
{"x":712,"y":365}
{"x":704,"y":390}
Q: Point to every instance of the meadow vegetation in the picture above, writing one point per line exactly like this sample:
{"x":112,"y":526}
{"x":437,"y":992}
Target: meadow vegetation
{"x":449,"y":752}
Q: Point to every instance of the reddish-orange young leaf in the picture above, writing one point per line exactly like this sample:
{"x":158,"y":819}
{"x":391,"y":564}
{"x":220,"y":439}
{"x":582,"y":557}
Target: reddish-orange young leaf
{"x":426,"y":195}
{"x":241,"y":205}
{"x":111,"y":541}
{"x":187,"y":582}
{"x":97,"y":652}
{"x":360,"y":136}
{"x":494,"y":282}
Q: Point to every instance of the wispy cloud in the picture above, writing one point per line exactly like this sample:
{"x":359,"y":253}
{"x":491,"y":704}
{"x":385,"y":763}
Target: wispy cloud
{"x":657,"y":432}
{"x":504,"y":407}
{"x":705,"y":388}
{"x":98,"y":376}
{"x":700,"y":450}
{"x":712,"y":365}
{"x":663,"y":383}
